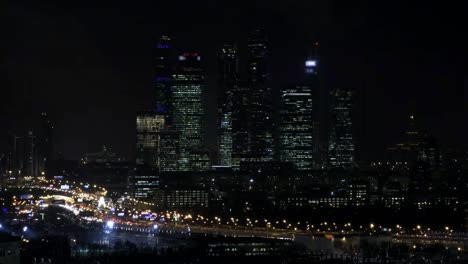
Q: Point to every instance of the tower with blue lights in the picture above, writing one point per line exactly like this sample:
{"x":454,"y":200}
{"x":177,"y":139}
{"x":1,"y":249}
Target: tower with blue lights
{"x":163,"y":79}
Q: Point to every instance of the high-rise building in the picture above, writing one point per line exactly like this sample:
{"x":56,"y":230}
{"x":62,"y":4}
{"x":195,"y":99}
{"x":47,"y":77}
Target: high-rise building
{"x":188,"y":99}
{"x":260,"y":120}
{"x":163,"y":79}
{"x":341,"y":144}
{"x":228,"y":67}
{"x":239,"y":117}
{"x":46,"y":145}
{"x":169,"y":150}
{"x":199,"y":161}
{"x":312,"y":79}
{"x":143,"y":182}
{"x":31,"y":155}
{"x":296,"y":131}
{"x":148,"y":126}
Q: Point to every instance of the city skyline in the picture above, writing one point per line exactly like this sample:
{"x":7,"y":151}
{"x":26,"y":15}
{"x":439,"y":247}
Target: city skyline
{"x":381,"y":114}
{"x":318,"y":131}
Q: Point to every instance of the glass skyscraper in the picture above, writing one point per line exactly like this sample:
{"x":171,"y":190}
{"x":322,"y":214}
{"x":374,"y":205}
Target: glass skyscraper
{"x":148,"y":126}
{"x":163,"y":79}
{"x":341,"y":144}
{"x":296,"y":129}
{"x":239,"y":117}
{"x":260,"y":121}
{"x":228,"y":64}
{"x":188,"y":91}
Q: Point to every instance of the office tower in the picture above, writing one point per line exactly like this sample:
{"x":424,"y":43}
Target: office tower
{"x":296,"y":145}
{"x":260,"y":121}
{"x":188,"y":91}
{"x":312,"y":79}
{"x":46,"y":145}
{"x":199,"y":161}
{"x":317,"y":146}
{"x":143,"y":182}
{"x":148,"y":126}
{"x":406,"y":151}
{"x":341,"y":145}
{"x":169,"y":151}
{"x":163,"y":79}
{"x":239,"y":117}
{"x":31,"y":154}
{"x":228,"y":64}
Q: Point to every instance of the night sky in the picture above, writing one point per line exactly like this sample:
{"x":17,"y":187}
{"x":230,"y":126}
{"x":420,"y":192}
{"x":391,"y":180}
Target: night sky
{"x":90,"y":65}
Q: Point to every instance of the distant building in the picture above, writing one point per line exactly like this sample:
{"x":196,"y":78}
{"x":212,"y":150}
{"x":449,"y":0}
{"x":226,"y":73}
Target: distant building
{"x":260,"y":123}
{"x":31,"y":161}
{"x":199,"y":161}
{"x":169,"y":150}
{"x":188,"y":98}
{"x":143,"y":182}
{"x":182,"y":198}
{"x":341,"y":142}
{"x":46,"y":146}
{"x":239,"y":119}
{"x":358,"y":192}
{"x":228,"y":63}
{"x":296,"y":127}
{"x":105,"y":169}
{"x":406,"y":150}
{"x":148,"y":126}
{"x":163,"y":66}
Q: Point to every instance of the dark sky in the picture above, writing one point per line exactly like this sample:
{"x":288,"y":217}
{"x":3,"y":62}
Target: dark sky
{"x":89,"y":64}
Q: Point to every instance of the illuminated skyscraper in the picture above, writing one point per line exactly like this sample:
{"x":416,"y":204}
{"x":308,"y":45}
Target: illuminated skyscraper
{"x":31,"y":151}
{"x":45,"y":133}
{"x":169,"y":150}
{"x":188,"y":92}
{"x":163,"y":79}
{"x":148,"y":126}
{"x":260,"y":120}
{"x":341,"y":144}
{"x":239,"y":117}
{"x":296,"y":129}
{"x":228,"y":63}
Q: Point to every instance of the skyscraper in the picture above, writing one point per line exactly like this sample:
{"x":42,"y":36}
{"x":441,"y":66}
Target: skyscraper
{"x":46,"y":145}
{"x":169,"y":150}
{"x":31,"y":151}
{"x":188,"y":92}
{"x":163,"y":79}
{"x":148,"y":126}
{"x":341,"y":144}
{"x":239,"y":117}
{"x":312,"y":79}
{"x":260,"y":121}
{"x":228,"y":64}
{"x":296,"y":127}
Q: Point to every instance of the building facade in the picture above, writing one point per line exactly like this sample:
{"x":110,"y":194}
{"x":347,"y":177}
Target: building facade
{"x":228,"y":67}
{"x":148,"y":126}
{"x":188,"y":99}
{"x":260,"y":123}
{"x":341,"y":142}
{"x":296,"y":127}
{"x":163,"y":79}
